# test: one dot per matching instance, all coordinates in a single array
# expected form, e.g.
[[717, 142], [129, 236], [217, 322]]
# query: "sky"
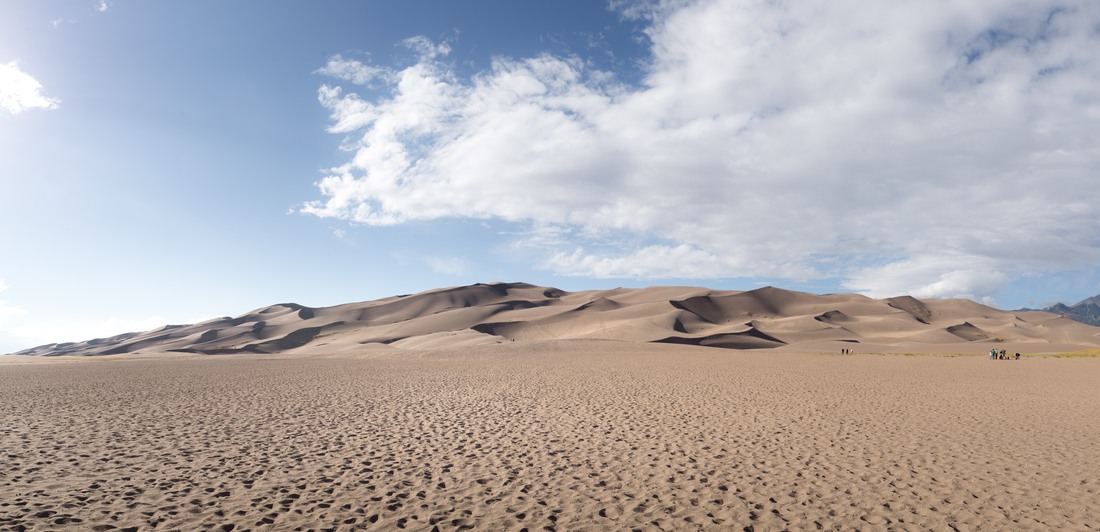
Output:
[[170, 162]]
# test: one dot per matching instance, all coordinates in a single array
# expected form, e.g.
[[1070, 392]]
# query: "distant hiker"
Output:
[[1017, 356], [992, 354]]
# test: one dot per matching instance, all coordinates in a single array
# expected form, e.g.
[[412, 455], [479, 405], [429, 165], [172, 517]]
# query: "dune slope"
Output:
[[517, 312]]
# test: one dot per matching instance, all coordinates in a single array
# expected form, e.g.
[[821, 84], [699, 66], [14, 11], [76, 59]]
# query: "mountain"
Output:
[[518, 312], [1087, 311]]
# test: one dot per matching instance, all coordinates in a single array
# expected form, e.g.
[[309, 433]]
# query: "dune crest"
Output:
[[767, 317]]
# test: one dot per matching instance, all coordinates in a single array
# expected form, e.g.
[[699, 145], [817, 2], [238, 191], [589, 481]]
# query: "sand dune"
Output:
[[517, 407], [516, 312]]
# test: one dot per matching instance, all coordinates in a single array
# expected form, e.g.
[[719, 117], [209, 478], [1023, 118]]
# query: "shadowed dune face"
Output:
[[913, 306], [968, 332], [518, 312]]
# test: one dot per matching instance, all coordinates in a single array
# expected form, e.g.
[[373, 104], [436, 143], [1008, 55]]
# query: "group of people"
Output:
[[994, 354]]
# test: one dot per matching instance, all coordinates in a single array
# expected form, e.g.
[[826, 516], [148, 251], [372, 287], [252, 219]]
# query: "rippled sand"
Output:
[[565, 435]]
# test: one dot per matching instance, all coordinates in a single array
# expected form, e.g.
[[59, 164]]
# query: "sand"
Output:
[[496, 313], [566, 435]]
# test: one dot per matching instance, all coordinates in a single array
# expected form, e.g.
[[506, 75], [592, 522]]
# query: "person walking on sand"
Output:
[[993, 354]]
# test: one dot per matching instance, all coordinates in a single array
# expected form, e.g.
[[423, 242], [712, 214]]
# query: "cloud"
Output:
[[943, 276], [102, 6], [453, 266], [657, 261], [351, 70], [19, 91], [933, 148], [427, 48], [8, 310]]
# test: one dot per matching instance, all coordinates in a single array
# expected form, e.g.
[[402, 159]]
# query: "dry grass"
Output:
[[1083, 353]]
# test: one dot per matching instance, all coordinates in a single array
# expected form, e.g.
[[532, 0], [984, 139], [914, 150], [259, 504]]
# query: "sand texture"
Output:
[[566, 435], [505, 312]]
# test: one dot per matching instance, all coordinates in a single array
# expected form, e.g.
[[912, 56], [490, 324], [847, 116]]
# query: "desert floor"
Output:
[[564, 435]]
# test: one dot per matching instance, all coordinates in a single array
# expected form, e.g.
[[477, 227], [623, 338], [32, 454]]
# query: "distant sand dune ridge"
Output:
[[506, 312]]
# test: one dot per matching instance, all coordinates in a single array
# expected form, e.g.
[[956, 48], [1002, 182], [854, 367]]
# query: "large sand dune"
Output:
[[497, 313], [516, 407]]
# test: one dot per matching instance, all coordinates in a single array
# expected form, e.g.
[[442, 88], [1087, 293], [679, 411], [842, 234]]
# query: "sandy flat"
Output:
[[569, 435]]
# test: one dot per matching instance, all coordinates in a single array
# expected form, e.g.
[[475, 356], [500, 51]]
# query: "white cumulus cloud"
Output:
[[943, 276], [936, 148], [19, 91]]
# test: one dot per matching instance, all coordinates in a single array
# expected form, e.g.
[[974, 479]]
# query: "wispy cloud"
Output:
[[8, 310], [934, 148], [351, 70], [102, 6], [19, 91], [427, 48], [449, 265]]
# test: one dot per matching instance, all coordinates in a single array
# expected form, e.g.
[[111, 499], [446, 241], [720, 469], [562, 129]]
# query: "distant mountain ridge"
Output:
[[499, 313], [1087, 311]]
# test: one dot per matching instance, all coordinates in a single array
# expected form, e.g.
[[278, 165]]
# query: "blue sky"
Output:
[[167, 162]]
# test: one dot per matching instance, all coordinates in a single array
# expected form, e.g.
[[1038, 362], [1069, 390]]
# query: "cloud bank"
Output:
[[934, 148], [19, 91]]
